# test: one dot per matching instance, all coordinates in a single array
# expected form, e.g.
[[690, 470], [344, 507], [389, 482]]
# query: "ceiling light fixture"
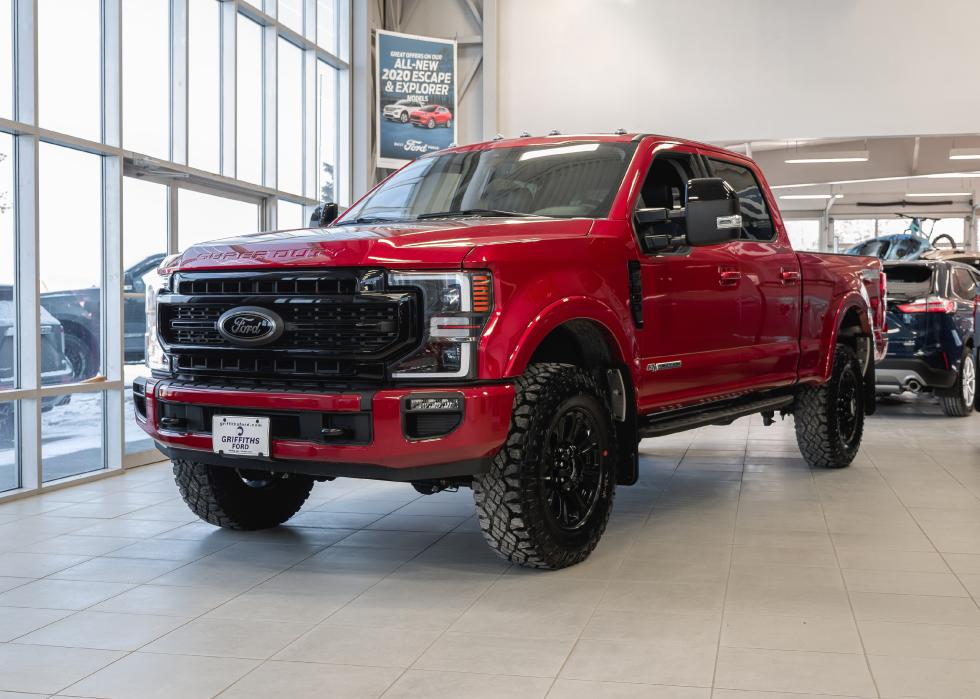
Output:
[[964, 153], [811, 196], [939, 194], [844, 156]]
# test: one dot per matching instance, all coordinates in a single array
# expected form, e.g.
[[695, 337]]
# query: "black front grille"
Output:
[[338, 324], [332, 326], [309, 284]]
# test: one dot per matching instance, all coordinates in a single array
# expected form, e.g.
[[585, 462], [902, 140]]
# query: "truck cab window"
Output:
[[665, 187], [756, 222]]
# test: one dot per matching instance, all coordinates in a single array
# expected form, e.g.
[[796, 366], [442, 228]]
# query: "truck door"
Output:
[[769, 305], [690, 342]]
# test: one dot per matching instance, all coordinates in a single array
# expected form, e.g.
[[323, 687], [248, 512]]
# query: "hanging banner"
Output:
[[416, 96]]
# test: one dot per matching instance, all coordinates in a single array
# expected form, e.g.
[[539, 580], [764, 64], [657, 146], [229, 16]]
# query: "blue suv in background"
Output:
[[932, 332]]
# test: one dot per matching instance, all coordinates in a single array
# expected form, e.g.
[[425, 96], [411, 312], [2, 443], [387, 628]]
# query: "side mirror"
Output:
[[712, 212], [324, 215], [128, 284]]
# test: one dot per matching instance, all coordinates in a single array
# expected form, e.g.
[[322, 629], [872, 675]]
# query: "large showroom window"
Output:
[[850, 232], [804, 234], [6, 59], [204, 85], [159, 124]]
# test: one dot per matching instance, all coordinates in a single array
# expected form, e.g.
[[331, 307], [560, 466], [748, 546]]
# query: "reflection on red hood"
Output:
[[419, 244]]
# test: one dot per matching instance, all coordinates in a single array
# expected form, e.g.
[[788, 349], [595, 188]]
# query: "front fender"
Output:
[[539, 325]]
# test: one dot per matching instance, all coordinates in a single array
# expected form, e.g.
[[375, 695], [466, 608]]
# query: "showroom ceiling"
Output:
[[875, 176]]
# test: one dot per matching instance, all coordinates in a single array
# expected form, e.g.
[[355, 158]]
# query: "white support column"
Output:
[[172, 239], [25, 61], [489, 68], [112, 72], [229, 102], [179, 61], [310, 115], [112, 168], [27, 287], [26, 243], [309, 103], [112, 304], [270, 133], [362, 100]]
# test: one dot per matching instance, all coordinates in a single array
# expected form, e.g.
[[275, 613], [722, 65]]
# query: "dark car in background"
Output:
[[932, 332], [55, 368], [79, 312]]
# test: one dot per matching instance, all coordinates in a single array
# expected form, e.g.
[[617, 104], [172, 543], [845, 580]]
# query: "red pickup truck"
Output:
[[511, 316]]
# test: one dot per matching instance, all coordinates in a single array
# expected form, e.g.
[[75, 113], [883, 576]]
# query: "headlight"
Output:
[[456, 307], [155, 357]]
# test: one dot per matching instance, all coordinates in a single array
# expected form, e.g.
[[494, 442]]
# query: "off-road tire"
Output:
[[510, 496], [220, 496], [819, 422], [955, 402], [81, 355]]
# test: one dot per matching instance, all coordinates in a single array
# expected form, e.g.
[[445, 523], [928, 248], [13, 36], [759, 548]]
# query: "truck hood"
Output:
[[417, 244]]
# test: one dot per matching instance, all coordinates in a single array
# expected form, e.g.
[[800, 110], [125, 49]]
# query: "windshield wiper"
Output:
[[471, 212], [367, 219]]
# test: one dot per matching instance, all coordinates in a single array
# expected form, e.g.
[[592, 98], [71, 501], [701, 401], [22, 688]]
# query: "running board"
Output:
[[717, 416]]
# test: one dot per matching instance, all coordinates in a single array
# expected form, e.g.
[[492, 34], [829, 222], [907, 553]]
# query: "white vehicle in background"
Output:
[[400, 110]]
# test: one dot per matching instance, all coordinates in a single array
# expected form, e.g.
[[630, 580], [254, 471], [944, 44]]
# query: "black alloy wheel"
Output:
[[573, 469], [848, 406]]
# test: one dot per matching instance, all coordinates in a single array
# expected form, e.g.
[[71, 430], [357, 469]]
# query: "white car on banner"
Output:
[[400, 110]]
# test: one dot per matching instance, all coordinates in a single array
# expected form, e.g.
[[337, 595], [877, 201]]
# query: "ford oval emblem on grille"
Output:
[[250, 326]]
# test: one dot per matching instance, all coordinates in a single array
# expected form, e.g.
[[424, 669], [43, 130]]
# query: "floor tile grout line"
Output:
[[919, 526], [192, 619], [731, 563], [843, 578]]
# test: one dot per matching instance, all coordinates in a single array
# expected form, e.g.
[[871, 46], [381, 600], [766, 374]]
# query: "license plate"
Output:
[[240, 436]]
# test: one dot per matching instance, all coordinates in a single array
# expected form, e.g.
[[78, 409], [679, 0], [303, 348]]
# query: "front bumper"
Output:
[[388, 453], [893, 375]]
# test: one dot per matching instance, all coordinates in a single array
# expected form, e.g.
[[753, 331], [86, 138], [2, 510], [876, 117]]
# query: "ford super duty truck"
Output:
[[511, 316]]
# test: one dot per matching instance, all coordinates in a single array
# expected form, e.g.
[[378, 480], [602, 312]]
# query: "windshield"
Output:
[[572, 180]]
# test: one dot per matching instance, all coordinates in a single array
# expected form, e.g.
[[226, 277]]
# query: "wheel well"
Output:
[[587, 344], [580, 342], [853, 334], [77, 329]]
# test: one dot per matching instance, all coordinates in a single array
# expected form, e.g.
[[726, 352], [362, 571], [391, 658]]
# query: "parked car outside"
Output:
[[55, 368], [932, 332], [431, 116], [400, 110], [79, 312]]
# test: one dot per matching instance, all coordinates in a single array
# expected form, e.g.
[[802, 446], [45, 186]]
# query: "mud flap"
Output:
[[870, 397]]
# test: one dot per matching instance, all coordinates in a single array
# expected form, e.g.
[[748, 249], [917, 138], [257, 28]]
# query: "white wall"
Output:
[[740, 69]]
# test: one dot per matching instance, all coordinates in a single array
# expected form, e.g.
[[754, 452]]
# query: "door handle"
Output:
[[729, 277], [789, 276]]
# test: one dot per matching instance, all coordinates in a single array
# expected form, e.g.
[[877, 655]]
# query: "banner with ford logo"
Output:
[[416, 96]]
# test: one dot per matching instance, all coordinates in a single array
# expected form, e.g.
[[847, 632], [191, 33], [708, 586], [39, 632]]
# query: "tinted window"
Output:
[[964, 285], [563, 180], [756, 223], [909, 281]]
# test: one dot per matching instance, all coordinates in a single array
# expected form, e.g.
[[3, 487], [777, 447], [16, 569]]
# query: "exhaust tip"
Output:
[[913, 385]]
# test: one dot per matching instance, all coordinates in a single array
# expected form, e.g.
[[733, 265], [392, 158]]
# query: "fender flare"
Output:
[[851, 301], [574, 308]]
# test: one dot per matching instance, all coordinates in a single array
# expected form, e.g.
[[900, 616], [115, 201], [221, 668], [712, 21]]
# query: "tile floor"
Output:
[[731, 571]]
